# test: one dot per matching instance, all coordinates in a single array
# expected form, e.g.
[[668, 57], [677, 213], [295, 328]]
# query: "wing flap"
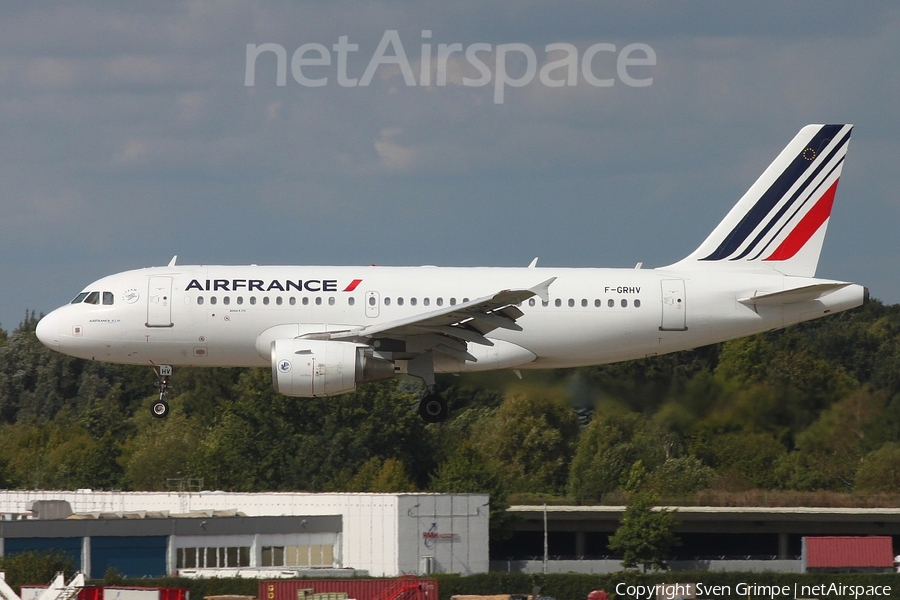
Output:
[[466, 322]]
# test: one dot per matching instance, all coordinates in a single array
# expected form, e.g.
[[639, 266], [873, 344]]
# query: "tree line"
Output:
[[811, 407]]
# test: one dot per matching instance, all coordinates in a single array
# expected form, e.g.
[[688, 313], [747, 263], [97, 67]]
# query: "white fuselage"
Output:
[[230, 315]]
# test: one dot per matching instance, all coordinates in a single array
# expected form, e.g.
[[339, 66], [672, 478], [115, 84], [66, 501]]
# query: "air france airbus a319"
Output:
[[323, 330]]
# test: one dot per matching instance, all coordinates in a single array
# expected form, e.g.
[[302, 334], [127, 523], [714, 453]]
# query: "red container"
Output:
[[404, 588], [90, 592]]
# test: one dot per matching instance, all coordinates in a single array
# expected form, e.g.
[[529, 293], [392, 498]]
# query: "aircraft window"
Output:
[[79, 298], [545, 303], [610, 303], [253, 300], [305, 301], [466, 300], [426, 301], [558, 302], [93, 298], [278, 300], [330, 300], [199, 299], [266, 300], [292, 301], [351, 300], [531, 302], [212, 299], [584, 302], [597, 303], [452, 301], [571, 302], [637, 303], [412, 301], [226, 300], [624, 302], [439, 301], [387, 301], [107, 298], [240, 299], [400, 301], [319, 301], [372, 300]]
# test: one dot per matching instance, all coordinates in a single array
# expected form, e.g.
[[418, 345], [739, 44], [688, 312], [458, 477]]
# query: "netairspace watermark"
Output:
[[311, 64], [671, 591]]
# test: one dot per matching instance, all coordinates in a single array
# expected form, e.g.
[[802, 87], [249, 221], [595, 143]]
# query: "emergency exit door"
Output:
[[159, 302], [673, 306], [373, 304]]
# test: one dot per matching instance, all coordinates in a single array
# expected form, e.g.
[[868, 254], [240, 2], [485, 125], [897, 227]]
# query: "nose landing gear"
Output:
[[160, 408]]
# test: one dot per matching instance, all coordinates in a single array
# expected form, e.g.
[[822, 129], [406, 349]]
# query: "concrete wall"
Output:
[[601, 567]]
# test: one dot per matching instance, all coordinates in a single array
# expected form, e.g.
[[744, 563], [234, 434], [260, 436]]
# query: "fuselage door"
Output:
[[674, 309], [373, 304], [159, 302]]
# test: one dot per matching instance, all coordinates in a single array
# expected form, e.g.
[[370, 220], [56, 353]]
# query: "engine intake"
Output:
[[310, 368]]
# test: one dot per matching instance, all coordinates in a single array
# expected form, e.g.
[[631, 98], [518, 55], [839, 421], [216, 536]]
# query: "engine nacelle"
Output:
[[310, 368]]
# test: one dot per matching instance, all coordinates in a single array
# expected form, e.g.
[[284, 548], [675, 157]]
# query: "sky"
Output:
[[133, 134]]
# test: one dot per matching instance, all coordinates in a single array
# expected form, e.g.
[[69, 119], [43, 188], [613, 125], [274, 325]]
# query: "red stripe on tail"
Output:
[[807, 226]]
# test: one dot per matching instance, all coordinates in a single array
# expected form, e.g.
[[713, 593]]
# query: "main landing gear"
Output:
[[160, 408], [433, 407]]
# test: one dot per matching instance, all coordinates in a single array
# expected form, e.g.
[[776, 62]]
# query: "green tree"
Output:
[[30, 567], [680, 476], [607, 448], [742, 459], [159, 451], [644, 537], [381, 476], [532, 438], [880, 470]]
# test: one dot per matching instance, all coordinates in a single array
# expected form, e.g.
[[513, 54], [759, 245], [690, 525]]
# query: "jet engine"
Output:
[[310, 368]]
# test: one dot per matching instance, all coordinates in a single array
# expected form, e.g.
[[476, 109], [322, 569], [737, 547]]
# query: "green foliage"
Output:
[[34, 567], [681, 476], [382, 476], [531, 439], [607, 449], [644, 537], [743, 459], [880, 470]]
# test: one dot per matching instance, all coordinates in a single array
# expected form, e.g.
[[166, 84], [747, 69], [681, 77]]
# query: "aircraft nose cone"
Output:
[[48, 331]]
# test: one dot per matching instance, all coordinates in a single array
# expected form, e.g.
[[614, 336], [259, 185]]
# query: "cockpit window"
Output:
[[93, 298], [79, 298], [107, 298]]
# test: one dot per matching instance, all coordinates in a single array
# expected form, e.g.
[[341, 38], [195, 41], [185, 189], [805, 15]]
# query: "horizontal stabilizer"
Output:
[[807, 293]]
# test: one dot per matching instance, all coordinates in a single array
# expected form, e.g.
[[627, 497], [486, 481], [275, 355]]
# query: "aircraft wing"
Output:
[[466, 322]]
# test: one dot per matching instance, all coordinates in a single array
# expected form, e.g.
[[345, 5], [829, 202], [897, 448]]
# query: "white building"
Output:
[[384, 534]]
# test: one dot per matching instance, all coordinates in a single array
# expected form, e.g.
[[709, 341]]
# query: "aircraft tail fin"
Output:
[[780, 223]]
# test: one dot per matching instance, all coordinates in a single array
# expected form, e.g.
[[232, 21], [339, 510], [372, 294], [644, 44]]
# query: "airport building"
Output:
[[277, 535], [252, 535]]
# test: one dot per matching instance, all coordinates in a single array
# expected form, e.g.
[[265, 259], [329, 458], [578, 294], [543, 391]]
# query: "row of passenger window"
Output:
[[373, 301], [93, 298], [584, 302]]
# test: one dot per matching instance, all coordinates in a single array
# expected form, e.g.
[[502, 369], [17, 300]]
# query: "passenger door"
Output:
[[159, 302]]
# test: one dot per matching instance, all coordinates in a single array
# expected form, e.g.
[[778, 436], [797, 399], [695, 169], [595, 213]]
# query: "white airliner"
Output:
[[323, 330]]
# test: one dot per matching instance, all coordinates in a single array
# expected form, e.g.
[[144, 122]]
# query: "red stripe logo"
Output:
[[353, 285], [807, 226]]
